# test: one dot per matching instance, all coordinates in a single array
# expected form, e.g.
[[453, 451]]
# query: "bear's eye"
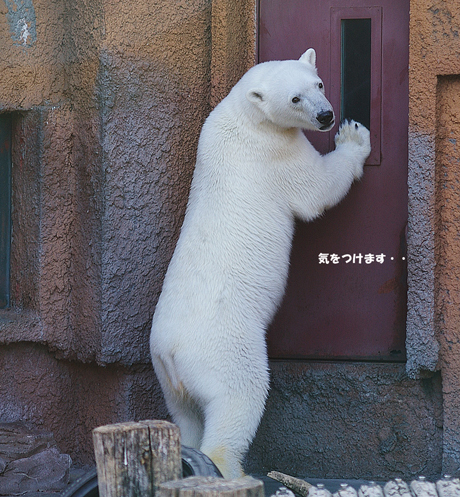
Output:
[[320, 85], [295, 100]]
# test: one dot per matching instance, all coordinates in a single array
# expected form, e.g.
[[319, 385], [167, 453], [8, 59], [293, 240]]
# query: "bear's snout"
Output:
[[325, 118]]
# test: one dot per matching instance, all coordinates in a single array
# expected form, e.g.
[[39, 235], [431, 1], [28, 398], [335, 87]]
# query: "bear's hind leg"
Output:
[[184, 410], [230, 426], [188, 417]]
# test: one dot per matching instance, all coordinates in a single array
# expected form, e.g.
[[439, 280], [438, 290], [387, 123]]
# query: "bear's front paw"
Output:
[[353, 132]]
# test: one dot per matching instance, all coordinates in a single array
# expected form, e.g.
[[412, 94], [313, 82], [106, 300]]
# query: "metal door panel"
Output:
[[348, 311]]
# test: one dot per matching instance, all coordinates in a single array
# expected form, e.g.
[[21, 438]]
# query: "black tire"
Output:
[[85, 486], [194, 463]]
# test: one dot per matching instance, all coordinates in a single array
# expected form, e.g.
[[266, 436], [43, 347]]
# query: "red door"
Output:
[[346, 293]]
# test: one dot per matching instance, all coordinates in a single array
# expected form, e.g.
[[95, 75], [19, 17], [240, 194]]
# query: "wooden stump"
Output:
[[132, 459], [211, 486]]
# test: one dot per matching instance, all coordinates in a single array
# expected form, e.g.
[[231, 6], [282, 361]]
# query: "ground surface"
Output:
[[271, 486]]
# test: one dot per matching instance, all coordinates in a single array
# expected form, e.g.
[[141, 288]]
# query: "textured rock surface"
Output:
[[30, 461], [434, 30], [349, 420], [70, 398], [434, 263], [108, 102], [448, 262], [46, 471], [17, 441]]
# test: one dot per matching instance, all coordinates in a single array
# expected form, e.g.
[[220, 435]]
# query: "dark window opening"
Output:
[[5, 209], [355, 101]]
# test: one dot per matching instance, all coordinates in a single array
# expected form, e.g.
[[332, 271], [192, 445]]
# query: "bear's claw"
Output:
[[351, 131]]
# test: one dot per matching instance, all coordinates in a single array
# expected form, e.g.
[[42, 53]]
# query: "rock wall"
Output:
[[349, 420], [433, 335], [107, 102]]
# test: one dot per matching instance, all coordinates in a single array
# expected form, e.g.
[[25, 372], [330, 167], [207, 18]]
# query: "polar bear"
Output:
[[255, 172]]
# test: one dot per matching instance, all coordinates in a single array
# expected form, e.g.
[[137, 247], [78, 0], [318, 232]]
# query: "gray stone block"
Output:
[[47, 471]]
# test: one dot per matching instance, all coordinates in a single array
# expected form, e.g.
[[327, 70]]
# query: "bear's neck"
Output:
[[236, 107]]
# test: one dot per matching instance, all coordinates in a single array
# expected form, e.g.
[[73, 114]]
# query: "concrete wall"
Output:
[[108, 100]]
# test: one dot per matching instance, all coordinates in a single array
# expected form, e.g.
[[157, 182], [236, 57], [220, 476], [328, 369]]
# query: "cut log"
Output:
[[423, 488], [346, 491], [297, 485], [210, 486], [370, 490], [396, 488], [283, 492], [448, 487], [319, 491], [132, 459]]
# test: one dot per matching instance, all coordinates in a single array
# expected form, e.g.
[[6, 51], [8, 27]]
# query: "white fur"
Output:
[[255, 171]]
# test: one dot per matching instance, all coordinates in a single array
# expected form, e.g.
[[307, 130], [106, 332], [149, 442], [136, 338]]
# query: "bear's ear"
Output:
[[255, 96], [309, 57]]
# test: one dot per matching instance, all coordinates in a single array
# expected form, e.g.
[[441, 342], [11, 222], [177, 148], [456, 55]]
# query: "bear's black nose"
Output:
[[325, 118]]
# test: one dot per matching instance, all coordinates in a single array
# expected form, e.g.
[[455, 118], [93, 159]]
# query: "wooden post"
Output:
[[212, 486], [132, 459]]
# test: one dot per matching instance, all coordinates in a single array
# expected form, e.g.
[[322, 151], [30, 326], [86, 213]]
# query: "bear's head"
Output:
[[290, 94]]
